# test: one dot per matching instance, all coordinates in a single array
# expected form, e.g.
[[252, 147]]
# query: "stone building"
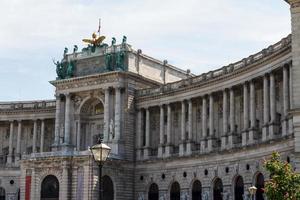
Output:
[[173, 135]]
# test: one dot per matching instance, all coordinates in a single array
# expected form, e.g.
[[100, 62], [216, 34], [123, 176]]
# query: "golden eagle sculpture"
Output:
[[95, 41]]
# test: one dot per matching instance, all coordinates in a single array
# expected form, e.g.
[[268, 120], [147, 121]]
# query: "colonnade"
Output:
[[60, 121], [228, 137], [36, 122]]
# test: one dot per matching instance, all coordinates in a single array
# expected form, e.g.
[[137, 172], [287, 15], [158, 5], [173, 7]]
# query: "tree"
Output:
[[284, 183]]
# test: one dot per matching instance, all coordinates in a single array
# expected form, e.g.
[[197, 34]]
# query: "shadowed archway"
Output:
[[217, 189], [50, 188], [239, 188], [153, 192], [108, 188], [259, 184], [2, 193], [175, 191], [197, 190]]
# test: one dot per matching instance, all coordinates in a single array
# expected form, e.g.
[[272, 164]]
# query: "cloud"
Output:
[[197, 34]]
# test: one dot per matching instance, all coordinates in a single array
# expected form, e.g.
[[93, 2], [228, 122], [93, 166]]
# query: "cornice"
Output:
[[111, 79]]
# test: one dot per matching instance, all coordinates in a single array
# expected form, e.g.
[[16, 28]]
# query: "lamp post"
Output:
[[100, 153], [252, 191]]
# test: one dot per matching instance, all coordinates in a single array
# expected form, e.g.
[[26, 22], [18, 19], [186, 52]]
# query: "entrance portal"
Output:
[[239, 188], [153, 192], [50, 188], [2, 193], [260, 184], [108, 188], [218, 189], [196, 191], [175, 191]]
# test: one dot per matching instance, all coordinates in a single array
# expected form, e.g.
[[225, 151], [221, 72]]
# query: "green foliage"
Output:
[[284, 182]]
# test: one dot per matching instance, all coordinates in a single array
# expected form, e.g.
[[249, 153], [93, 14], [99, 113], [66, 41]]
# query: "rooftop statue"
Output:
[[113, 41], [95, 41]]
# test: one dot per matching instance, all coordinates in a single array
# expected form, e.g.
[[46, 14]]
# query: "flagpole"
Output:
[[99, 26]]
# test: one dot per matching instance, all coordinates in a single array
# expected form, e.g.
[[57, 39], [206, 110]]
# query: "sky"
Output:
[[200, 35]]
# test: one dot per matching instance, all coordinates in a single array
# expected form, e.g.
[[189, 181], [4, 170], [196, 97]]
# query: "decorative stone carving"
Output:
[[184, 196], [141, 196], [112, 129], [205, 196]]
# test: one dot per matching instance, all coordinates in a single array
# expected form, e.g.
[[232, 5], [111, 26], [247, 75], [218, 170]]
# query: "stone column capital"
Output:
[[57, 96], [67, 95]]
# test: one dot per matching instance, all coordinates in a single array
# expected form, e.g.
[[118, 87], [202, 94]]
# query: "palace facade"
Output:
[[174, 135]]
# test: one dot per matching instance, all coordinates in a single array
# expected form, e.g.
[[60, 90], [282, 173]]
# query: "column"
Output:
[[291, 125], [266, 109], [169, 145], [42, 135], [204, 124], [18, 150], [78, 139], [232, 136], [295, 74], [225, 120], [106, 114], [252, 113], [272, 126], [285, 101], [182, 143], [57, 120], [210, 142], [67, 119], [246, 114], [189, 145], [139, 135], [34, 136], [147, 146], [118, 114], [64, 184], [161, 131], [10, 143]]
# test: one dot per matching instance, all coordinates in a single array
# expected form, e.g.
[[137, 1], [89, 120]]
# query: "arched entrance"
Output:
[[2, 193], [91, 123], [260, 184], [50, 188], [218, 189], [175, 191], [239, 188], [108, 188], [153, 192], [197, 190]]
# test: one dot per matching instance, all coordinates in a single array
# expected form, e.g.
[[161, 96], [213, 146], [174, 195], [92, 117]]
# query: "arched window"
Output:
[[99, 109], [218, 189], [239, 188], [197, 190], [260, 184], [108, 188], [153, 192], [2, 193], [50, 188], [175, 191]]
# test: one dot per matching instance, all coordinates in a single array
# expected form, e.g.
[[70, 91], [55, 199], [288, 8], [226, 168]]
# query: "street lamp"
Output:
[[252, 191], [100, 153]]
